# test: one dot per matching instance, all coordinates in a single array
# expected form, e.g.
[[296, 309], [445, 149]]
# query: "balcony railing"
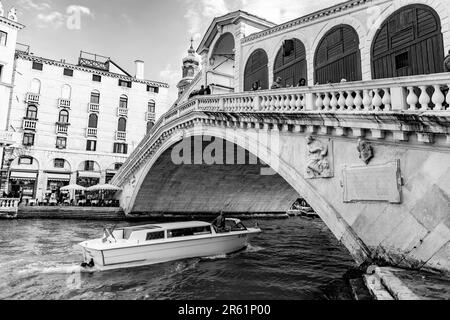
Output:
[[122, 112], [121, 136], [91, 133], [64, 103], [62, 128], [29, 124], [150, 116], [94, 108], [32, 98]]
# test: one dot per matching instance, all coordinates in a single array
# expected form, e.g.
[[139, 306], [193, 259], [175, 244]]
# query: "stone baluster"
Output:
[[424, 98], [350, 101], [358, 101], [333, 102], [412, 99], [273, 102], [387, 100], [298, 103], [447, 99], [319, 102], [287, 102], [327, 102], [257, 103], [303, 100], [280, 103], [438, 98], [292, 104], [367, 100], [377, 102], [342, 102]]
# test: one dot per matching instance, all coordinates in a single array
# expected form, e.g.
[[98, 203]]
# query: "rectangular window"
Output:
[[59, 163], [402, 60], [95, 97], [3, 38], [61, 143], [123, 83], [96, 78], [68, 72], [117, 166], [155, 236], [89, 166], [38, 66], [151, 107], [188, 232], [123, 103], [28, 139], [25, 161], [121, 148], [153, 89], [91, 145]]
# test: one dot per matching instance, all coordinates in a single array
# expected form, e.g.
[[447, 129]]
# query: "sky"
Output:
[[155, 31]]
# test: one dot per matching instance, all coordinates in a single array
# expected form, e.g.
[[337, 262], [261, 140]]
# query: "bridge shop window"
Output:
[[290, 63], [3, 38], [37, 66], [256, 70], [338, 56], [409, 42], [28, 139], [155, 236], [120, 148]]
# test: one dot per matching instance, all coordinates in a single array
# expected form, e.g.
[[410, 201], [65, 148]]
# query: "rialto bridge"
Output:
[[370, 154]]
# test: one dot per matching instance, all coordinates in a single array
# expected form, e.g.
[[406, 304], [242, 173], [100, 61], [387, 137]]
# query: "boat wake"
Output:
[[41, 268], [253, 249], [217, 257]]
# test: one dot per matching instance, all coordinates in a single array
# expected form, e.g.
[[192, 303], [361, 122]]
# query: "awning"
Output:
[[58, 177], [89, 174], [15, 175]]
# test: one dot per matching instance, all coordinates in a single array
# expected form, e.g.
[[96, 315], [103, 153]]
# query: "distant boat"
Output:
[[158, 243]]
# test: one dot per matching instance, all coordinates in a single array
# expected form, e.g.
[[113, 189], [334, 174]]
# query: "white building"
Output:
[[76, 123]]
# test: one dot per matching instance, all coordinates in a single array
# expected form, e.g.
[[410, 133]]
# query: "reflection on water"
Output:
[[291, 259]]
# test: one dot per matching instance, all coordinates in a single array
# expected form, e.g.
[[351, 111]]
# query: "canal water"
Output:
[[292, 259]]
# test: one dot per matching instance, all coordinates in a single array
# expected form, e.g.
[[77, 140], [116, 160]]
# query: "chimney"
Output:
[[139, 69]]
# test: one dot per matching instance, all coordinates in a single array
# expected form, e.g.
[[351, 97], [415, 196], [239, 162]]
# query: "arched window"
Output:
[[95, 97], [66, 92], [32, 112], [338, 56], [122, 127], [123, 102], [256, 71], [93, 121], [35, 86], [63, 116], [151, 106], [290, 63], [409, 42], [150, 125]]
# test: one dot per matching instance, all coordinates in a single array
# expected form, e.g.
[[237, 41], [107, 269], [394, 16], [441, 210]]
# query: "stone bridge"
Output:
[[371, 157]]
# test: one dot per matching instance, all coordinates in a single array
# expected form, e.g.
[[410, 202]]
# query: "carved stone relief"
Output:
[[319, 162]]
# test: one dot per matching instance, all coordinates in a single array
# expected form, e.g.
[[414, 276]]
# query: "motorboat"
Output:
[[157, 243]]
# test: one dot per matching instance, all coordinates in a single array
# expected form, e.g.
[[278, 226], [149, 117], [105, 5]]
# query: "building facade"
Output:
[[77, 123]]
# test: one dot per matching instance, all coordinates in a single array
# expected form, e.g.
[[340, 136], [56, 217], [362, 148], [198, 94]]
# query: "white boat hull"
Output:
[[148, 254]]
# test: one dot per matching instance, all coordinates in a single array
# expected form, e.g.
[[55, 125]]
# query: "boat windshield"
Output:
[[233, 225]]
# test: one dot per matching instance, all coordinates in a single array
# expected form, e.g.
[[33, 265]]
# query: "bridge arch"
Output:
[[257, 70], [291, 62], [293, 182]]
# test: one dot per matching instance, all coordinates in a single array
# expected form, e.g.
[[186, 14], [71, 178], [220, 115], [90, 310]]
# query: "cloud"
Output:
[[172, 76], [54, 19], [75, 9], [31, 5]]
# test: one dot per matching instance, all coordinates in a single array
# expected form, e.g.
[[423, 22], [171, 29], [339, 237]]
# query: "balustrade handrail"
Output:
[[194, 104]]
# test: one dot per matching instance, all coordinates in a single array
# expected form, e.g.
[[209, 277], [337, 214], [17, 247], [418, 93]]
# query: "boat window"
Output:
[[187, 232], [231, 225], [155, 236]]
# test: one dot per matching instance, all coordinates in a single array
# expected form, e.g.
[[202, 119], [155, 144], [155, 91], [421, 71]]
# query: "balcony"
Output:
[[29, 124], [32, 98], [62, 128], [91, 133], [94, 108], [64, 103], [150, 116], [122, 112], [121, 136]]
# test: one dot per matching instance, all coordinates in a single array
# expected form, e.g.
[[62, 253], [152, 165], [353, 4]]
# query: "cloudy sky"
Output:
[[155, 31]]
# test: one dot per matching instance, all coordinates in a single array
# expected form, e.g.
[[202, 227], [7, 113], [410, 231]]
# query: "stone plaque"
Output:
[[375, 183]]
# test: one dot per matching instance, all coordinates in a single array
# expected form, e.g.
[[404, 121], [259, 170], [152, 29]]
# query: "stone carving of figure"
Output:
[[365, 151], [447, 63], [317, 164], [12, 14], [2, 11]]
